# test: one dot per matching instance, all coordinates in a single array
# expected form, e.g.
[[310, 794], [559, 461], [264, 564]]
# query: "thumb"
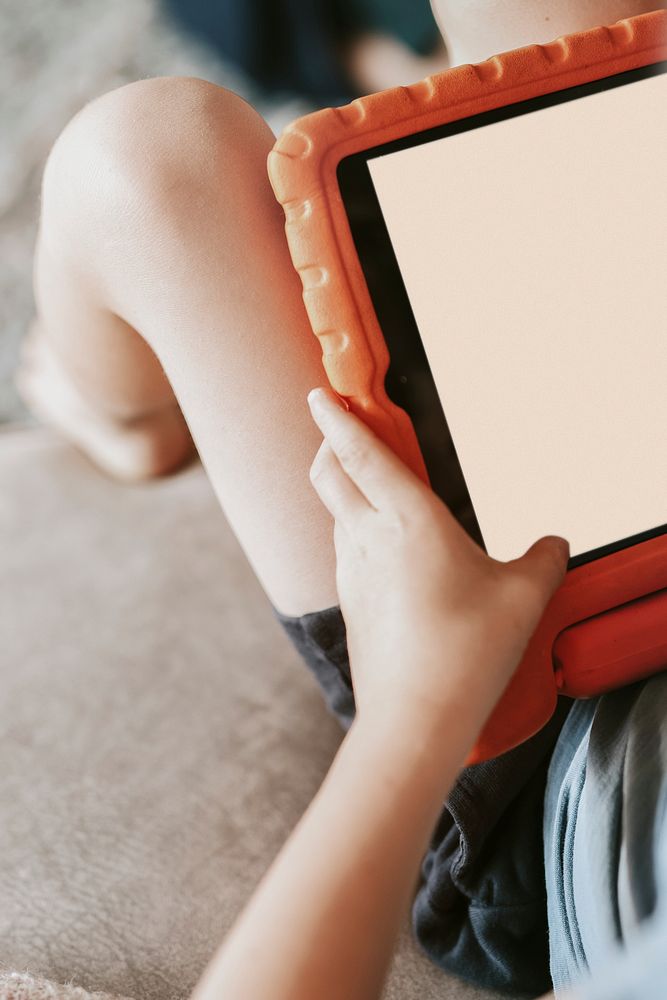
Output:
[[543, 566]]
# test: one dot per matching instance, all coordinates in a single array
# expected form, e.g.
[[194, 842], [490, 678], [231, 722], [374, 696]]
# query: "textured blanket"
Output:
[[23, 986]]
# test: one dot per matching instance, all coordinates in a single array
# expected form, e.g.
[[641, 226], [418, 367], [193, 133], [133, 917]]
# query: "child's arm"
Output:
[[322, 925], [435, 629]]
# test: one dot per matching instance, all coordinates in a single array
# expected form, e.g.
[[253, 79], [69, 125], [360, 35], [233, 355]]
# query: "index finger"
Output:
[[373, 467]]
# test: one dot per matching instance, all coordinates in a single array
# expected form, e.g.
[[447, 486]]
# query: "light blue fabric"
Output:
[[605, 837]]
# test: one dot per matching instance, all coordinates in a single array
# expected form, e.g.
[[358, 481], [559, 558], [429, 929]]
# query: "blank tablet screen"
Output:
[[533, 251]]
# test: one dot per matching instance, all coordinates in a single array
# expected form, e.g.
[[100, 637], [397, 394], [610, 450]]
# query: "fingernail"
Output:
[[561, 543], [320, 397], [317, 398]]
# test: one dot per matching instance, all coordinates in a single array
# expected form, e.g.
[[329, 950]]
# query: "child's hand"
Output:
[[431, 619]]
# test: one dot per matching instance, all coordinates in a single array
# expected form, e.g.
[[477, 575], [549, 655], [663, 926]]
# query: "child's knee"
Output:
[[149, 154]]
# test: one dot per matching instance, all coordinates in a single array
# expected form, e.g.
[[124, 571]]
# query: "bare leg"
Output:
[[162, 250]]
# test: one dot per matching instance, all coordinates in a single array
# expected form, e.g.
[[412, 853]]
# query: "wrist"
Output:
[[436, 719], [413, 741]]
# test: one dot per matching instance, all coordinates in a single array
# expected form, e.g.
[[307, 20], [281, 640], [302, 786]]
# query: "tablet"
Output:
[[517, 264], [483, 259]]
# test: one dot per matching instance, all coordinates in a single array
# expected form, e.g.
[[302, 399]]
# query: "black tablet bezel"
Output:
[[409, 382]]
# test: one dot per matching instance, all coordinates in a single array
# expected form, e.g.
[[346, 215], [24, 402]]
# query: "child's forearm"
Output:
[[324, 921]]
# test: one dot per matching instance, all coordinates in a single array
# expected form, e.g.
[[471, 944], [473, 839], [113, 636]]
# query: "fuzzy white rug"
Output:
[[23, 986]]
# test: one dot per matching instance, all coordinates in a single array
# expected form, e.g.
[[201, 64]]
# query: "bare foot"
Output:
[[133, 450], [379, 62]]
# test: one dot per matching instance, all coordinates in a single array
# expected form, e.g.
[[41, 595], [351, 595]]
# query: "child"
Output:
[[164, 286]]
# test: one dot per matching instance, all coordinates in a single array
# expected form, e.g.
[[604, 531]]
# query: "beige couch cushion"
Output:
[[158, 737]]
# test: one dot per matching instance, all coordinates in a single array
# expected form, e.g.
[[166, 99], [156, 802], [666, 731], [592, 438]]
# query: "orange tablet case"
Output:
[[607, 624]]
